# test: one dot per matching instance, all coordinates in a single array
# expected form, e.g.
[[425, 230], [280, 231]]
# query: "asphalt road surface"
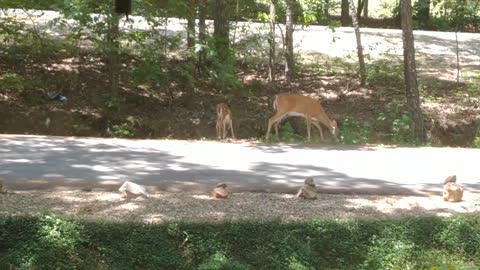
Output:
[[35, 162]]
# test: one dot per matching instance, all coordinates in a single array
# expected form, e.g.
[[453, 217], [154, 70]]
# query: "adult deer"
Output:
[[224, 119], [299, 105]]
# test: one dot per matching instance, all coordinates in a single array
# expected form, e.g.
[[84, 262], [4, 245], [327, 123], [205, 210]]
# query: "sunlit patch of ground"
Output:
[[165, 207]]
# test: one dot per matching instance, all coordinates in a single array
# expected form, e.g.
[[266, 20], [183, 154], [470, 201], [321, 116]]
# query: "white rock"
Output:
[[221, 191], [133, 190], [308, 190]]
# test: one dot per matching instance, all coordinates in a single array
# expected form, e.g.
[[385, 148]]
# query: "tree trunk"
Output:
[[365, 9], [221, 31], [202, 32], [113, 56], [290, 59], [326, 9], [271, 41], [191, 24], [361, 60], [237, 7], [457, 51], [411, 87], [360, 5], [344, 15]]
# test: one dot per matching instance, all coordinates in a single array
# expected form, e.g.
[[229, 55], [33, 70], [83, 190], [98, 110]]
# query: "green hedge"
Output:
[[53, 242]]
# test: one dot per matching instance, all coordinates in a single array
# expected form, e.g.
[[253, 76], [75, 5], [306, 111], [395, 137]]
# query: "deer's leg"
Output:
[[273, 120], [224, 129], [309, 125], [319, 128], [231, 128], [219, 128], [276, 126]]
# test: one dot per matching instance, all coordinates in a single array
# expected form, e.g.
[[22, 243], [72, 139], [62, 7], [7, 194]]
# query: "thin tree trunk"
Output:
[[411, 87], [326, 8], [271, 41], [361, 60], [365, 9], [191, 24], [236, 24], [360, 8], [344, 14], [290, 60], [113, 53], [165, 36], [221, 31], [458, 57], [202, 32]]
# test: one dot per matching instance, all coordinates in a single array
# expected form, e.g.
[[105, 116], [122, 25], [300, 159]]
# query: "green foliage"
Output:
[[316, 12], [48, 243], [400, 122], [12, 82], [124, 130], [81, 129], [31, 4], [384, 71], [473, 84], [354, 131], [113, 103], [224, 76], [53, 242], [287, 134], [219, 261], [402, 133], [476, 140]]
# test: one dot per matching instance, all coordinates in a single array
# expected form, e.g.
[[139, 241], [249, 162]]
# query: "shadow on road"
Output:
[[54, 162]]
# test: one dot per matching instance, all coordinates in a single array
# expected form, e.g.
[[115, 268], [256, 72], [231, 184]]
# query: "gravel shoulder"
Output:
[[188, 207]]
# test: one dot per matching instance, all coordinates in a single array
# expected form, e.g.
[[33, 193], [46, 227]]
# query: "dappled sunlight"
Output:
[[431, 204], [155, 218], [284, 196], [129, 206], [107, 197], [112, 177], [203, 197], [181, 206]]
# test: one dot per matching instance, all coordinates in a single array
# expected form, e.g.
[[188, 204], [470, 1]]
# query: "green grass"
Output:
[[53, 242]]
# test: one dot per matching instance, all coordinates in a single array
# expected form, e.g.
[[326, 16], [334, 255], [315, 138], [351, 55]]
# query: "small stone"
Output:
[[308, 190], [452, 192], [220, 191], [133, 190], [450, 179]]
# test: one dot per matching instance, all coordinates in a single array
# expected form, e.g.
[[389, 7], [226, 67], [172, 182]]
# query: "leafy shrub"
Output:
[[476, 141], [54, 242], [12, 82], [384, 71], [402, 133], [400, 123], [354, 132], [81, 129], [286, 133], [113, 103], [219, 261], [123, 130]]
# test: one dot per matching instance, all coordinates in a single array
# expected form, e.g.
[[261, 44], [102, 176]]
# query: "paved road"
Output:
[[45, 162]]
